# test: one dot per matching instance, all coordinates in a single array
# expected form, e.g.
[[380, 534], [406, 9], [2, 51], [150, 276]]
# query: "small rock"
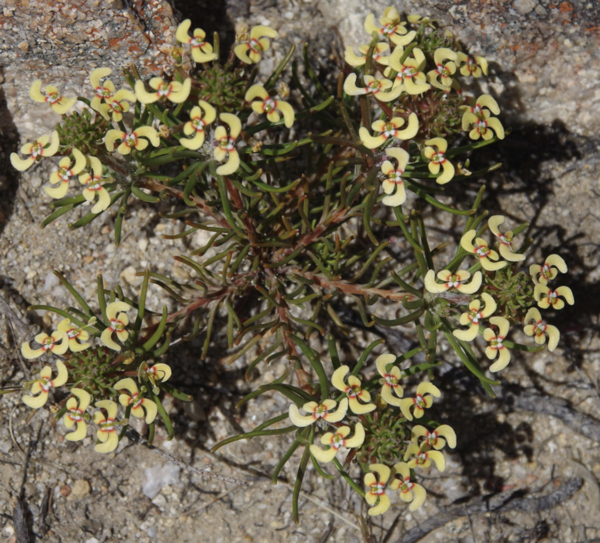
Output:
[[35, 181], [128, 275], [50, 281], [81, 488], [157, 477], [523, 7], [24, 46], [65, 490]]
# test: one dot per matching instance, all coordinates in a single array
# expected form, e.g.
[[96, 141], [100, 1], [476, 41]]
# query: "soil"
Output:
[[525, 468]]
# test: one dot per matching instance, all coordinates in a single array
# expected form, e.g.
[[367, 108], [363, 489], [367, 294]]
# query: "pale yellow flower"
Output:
[[353, 390], [410, 76], [250, 50], [390, 129], [409, 491], [539, 329], [317, 412], [422, 457], [474, 316], [391, 28], [107, 426], [381, 89], [496, 345], [225, 148], [74, 416], [62, 176], [134, 140], [376, 496], [117, 322], [135, 401], [445, 67], [506, 248], [437, 159], [391, 390], [336, 441], [486, 256], [450, 280], [42, 385], [200, 117], [42, 147], [270, 106], [173, 91], [422, 400], [393, 181], [93, 186], [202, 51], [51, 96]]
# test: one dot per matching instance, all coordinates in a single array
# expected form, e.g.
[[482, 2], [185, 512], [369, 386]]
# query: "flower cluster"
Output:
[[346, 418], [72, 342], [402, 67]]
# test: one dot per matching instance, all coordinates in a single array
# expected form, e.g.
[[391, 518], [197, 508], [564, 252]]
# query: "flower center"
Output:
[[396, 176], [540, 328], [103, 92], [255, 46], [377, 489], [116, 325], [388, 29], [420, 402], [116, 107], [475, 316], [320, 411], [337, 441], [391, 380], [496, 343], [227, 144], [75, 415], [269, 105], [131, 140], [482, 251], [408, 71], [406, 485], [53, 98], [454, 281], [45, 384], [164, 89], [108, 425], [198, 124], [442, 70], [48, 343], [353, 391], [438, 158], [36, 149], [197, 42]]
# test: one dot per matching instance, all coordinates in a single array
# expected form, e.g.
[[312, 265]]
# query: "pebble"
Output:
[[523, 7], [81, 488], [158, 477]]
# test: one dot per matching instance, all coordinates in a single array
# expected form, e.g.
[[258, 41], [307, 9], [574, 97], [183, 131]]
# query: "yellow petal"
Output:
[[297, 419], [337, 379], [111, 137], [78, 434], [151, 410], [322, 455], [35, 402], [128, 384], [111, 443], [97, 75], [35, 91], [182, 31], [232, 163], [143, 95]]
